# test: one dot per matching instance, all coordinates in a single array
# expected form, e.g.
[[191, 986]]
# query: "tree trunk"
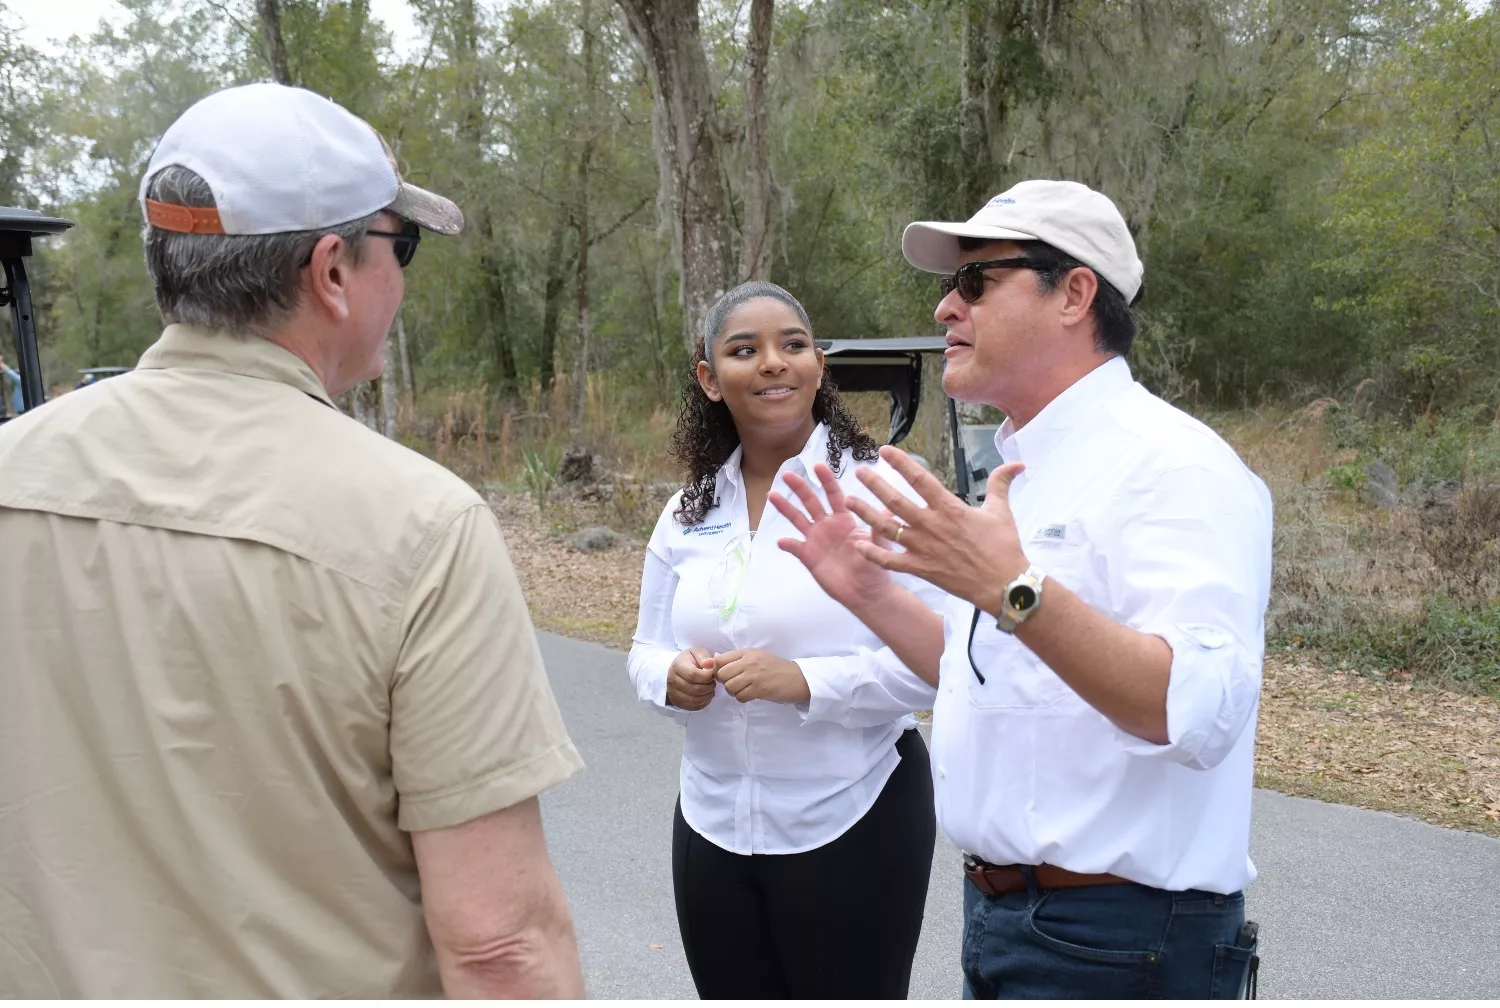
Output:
[[388, 391], [756, 263], [470, 86], [494, 307], [973, 139], [687, 151], [552, 298], [581, 223], [408, 383], [270, 26]]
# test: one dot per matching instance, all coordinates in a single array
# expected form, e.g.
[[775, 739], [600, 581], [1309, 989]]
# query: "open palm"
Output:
[[827, 547]]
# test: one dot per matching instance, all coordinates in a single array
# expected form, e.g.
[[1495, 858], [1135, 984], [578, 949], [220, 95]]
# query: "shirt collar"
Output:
[[194, 347], [1032, 443], [815, 451]]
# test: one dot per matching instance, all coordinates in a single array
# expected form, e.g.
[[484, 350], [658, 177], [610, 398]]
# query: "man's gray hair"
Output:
[[713, 322], [245, 284]]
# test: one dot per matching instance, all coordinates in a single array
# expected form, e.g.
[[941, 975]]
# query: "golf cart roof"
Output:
[[883, 346], [889, 364]]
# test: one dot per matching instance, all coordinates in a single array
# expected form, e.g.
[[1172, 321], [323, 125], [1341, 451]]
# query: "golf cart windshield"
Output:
[[894, 366]]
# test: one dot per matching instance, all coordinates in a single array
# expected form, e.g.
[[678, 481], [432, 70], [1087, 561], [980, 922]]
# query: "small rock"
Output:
[[1380, 485], [1440, 498], [594, 539]]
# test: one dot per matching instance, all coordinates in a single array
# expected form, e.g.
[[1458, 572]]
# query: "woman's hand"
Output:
[[753, 674], [690, 680], [828, 546]]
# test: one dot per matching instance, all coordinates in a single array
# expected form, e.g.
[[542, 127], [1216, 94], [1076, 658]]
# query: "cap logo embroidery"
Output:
[[1001, 201]]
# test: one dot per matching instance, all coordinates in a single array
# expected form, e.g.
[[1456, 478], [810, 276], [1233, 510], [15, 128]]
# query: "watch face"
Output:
[[1022, 597]]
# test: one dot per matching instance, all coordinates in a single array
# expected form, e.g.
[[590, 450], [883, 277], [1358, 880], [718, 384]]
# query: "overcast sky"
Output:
[[43, 21], [46, 20]]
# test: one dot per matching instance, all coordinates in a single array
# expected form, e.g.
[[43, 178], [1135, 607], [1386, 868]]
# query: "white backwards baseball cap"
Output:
[[285, 159], [1070, 217]]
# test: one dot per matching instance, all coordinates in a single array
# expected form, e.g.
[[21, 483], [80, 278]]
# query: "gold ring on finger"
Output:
[[897, 537]]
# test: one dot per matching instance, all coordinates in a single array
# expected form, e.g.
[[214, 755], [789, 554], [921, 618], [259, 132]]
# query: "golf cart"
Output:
[[894, 365], [17, 228], [89, 375]]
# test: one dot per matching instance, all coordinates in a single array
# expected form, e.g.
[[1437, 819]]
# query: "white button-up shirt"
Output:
[[764, 777], [1150, 517]]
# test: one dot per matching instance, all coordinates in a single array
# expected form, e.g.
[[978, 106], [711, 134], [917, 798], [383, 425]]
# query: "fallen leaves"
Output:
[[1347, 738], [592, 596], [1324, 734]]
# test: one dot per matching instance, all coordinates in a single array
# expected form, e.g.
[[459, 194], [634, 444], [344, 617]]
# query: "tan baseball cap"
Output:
[[1069, 216], [284, 159]]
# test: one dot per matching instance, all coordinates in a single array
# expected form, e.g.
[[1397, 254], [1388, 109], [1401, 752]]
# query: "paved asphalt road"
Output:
[[1351, 903]]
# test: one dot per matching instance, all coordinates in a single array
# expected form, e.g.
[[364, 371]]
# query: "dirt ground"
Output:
[[1323, 733]]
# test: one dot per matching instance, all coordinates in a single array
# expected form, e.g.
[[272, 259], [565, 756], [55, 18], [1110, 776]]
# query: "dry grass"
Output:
[[1347, 715], [1342, 737], [1333, 735], [1412, 587], [592, 596]]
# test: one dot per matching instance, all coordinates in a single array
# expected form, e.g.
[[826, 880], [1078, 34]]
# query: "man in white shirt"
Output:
[[1099, 671]]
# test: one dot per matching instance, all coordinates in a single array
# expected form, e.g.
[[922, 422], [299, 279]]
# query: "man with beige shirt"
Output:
[[275, 719]]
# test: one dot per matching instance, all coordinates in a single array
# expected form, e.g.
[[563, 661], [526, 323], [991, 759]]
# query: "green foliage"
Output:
[[21, 114], [1310, 184], [539, 472], [1447, 643], [1418, 216], [1462, 446]]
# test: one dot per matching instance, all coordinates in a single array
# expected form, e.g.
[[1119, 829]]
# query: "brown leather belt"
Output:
[[999, 880]]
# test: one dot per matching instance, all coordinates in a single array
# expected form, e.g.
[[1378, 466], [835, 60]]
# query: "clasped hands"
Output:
[[747, 674], [972, 553]]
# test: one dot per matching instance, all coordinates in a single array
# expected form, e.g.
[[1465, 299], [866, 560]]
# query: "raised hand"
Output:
[[828, 547], [972, 553], [690, 685]]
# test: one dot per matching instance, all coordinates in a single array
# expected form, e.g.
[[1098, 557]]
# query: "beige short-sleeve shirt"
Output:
[[246, 645]]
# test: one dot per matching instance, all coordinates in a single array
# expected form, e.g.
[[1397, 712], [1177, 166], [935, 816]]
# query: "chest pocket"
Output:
[[1014, 676]]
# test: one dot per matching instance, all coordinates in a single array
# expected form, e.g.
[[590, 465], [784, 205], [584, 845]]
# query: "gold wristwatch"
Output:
[[1023, 596]]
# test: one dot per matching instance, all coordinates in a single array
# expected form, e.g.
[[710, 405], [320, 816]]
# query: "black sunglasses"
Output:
[[969, 278], [404, 242], [974, 625]]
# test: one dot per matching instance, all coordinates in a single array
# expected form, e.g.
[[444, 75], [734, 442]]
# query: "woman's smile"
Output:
[[777, 392]]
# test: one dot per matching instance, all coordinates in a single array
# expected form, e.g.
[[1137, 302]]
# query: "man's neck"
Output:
[[298, 340], [1046, 387]]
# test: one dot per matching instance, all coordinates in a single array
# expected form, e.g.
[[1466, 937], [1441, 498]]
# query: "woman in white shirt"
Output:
[[804, 831]]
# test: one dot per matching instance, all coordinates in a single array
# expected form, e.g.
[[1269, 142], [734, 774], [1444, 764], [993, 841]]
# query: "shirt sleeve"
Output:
[[474, 725], [653, 645], [872, 686], [1196, 571]]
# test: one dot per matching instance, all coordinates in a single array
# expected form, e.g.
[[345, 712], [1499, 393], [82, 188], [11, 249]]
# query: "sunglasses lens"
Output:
[[970, 284], [948, 284]]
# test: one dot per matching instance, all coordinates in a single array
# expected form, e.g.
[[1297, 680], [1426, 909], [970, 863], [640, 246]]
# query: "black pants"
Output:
[[841, 921]]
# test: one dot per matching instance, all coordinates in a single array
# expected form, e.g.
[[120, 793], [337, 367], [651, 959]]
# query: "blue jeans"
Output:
[[1114, 941]]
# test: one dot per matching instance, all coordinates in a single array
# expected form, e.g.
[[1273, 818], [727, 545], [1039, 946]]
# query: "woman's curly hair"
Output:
[[706, 436]]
